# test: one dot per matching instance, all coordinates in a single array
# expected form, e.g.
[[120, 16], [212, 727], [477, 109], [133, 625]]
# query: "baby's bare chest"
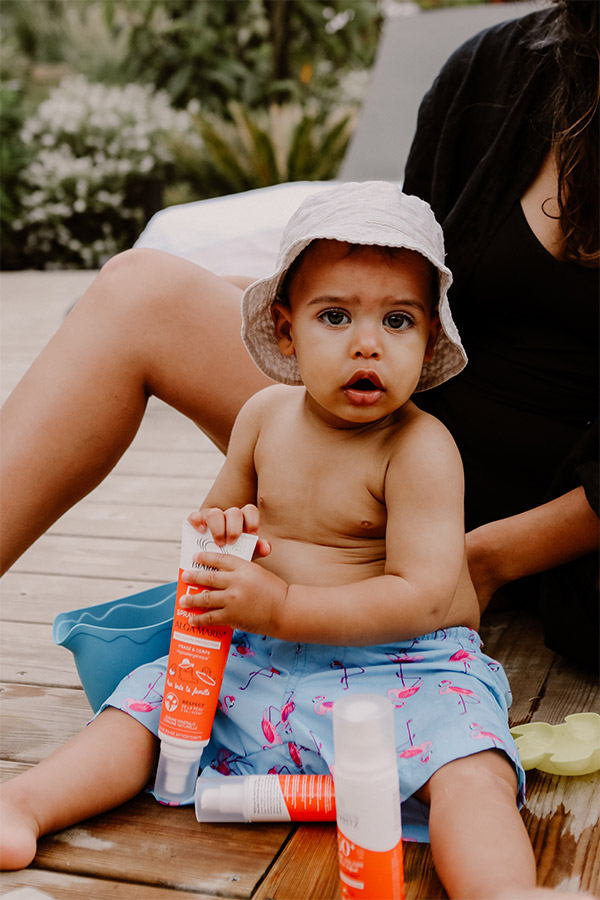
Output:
[[325, 488]]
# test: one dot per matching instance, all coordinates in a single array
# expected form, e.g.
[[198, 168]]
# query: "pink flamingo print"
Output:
[[399, 695], [142, 704], [295, 754], [464, 694], [423, 750], [402, 658], [242, 647], [318, 744], [322, 705], [288, 707], [336, 664], [269, 729], [222, 762], [139, 705], [225, 704], [462, 656], [479, 734], [279, 770], [265, 671]]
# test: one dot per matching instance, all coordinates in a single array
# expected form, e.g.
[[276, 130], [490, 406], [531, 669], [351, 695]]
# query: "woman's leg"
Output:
[[104, 765], [150, 324], [479, 842]]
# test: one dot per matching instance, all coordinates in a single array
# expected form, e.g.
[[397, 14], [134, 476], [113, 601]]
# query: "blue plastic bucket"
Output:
[[111, 639]]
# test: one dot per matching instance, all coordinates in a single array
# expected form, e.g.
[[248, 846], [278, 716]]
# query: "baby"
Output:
[[360, 582]]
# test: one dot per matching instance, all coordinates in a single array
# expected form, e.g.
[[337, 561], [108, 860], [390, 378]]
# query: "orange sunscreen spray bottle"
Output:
[[265, 798], [367, 799], [197, 658]]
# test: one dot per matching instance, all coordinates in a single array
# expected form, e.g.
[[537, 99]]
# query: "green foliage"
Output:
[[97, 154], [253, 51], [259, 148], [13, 160], [273, 86]]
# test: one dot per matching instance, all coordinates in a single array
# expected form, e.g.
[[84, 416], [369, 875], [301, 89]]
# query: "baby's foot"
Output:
[[18, 832]]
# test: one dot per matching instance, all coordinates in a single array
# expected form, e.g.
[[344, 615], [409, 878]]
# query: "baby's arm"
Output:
[[425, 564], [229, 507]]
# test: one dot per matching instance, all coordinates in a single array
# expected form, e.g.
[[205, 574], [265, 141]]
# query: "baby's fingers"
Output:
[[251, 518], [216, 521]]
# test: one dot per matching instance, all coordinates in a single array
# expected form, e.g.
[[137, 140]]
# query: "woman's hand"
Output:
[[534, 541], [242, 594], [226, 525], [484, 558]]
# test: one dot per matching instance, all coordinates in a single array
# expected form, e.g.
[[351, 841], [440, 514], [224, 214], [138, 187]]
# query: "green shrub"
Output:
[[13, 160], [97, 155], [263, 147]]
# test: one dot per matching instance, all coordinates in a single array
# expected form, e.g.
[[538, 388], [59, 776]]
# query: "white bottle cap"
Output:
[[220, 799], [363, 736], [178, 770]]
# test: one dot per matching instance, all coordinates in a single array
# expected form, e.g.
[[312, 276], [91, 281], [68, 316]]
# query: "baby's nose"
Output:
[[366, 344]]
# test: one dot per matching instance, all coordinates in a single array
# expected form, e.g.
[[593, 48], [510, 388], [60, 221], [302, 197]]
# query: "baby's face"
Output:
[[361, 325]]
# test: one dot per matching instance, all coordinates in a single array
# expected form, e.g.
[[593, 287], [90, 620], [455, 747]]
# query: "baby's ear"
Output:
[[435, 326], [282, 318]]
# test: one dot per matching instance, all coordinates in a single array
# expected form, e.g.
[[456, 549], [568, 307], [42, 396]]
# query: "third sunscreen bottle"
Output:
[[367, 799]]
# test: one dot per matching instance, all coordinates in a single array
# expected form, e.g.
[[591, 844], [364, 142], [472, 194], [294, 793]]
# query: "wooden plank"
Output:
[[9, 769], [66, 886], [165, 429], [170, 462], [39, 597], [145, 842], [156, 490], [562, 820], [150, 561], [420, 878], [515, 647], [307, 867], [29, 656], [127, 521], [567, 689], [36, 720]]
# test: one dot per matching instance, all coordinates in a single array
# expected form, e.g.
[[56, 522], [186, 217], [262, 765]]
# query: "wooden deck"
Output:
[[125, 537]]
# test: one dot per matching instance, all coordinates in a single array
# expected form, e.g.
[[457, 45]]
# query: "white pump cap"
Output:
[[363, 736], [221, 799], [178, 770]]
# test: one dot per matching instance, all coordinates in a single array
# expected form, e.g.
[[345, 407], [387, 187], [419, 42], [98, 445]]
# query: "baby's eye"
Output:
[[398, 321], [334, 317]]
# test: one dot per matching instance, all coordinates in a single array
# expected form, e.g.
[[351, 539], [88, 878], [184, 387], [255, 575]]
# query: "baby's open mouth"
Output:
[[364, 388], [365, 381], [363, 384]]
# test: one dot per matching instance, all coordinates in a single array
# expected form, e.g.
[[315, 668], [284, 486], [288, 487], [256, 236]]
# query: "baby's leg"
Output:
[[106, 764], [479, 842]]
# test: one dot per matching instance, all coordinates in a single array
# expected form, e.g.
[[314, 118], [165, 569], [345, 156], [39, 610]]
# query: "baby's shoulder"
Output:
[[268, 402], [422, 435], [273, 396]]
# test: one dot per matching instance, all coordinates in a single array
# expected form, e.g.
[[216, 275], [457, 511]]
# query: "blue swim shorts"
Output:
[[450, 701]]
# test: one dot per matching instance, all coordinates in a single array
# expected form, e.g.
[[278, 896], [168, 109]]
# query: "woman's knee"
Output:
[[140, 282]]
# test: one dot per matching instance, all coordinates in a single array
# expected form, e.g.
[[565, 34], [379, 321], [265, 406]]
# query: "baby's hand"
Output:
[[241, 594], [226, 525]]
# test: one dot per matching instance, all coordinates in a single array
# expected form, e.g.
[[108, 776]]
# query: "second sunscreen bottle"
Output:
[[197, 658], [367, 799]]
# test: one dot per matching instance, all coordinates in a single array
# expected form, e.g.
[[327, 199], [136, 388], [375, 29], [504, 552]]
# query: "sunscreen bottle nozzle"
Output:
[[178, 770], [221, 799]]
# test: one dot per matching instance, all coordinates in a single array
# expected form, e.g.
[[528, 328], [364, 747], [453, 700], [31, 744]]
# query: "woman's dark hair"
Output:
[[571, 37]]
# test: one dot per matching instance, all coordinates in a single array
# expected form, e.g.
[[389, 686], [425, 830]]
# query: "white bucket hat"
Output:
[[373, 213]]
